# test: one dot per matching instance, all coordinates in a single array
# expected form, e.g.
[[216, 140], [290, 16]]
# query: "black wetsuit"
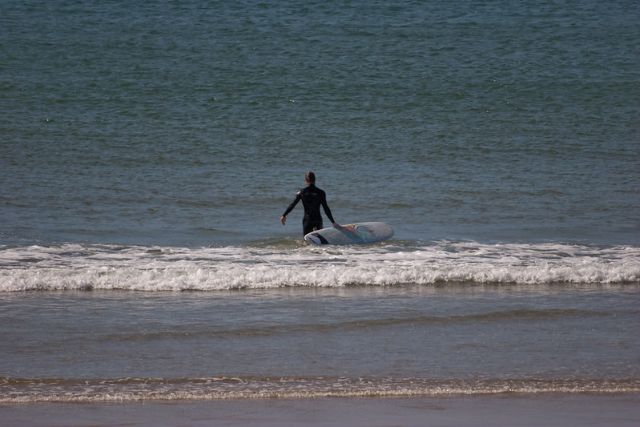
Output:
[[312, 198]]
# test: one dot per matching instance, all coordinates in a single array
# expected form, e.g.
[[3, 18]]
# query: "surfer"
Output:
[[312, 198]]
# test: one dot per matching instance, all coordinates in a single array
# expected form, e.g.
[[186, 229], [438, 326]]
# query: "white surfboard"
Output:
[[351, 234]]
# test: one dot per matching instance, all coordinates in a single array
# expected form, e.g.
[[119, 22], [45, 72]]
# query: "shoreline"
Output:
[[504, 410]]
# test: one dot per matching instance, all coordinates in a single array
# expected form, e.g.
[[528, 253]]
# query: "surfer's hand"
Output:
[[283, 219]]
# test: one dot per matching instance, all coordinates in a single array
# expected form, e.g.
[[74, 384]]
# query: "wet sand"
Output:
[[505, 410]]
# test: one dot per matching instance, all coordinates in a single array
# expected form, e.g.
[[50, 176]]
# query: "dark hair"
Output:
[[310, 177]]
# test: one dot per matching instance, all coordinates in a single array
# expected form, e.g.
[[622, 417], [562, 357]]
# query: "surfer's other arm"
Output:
[[327, 211]]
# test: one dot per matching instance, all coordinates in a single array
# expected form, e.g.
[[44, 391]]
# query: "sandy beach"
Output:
[[504, 410]]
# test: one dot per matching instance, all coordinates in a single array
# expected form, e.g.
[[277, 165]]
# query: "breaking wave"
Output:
[[141, 268]]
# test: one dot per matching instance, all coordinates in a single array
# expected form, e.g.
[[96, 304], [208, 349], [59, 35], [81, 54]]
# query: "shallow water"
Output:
[[399, 341]]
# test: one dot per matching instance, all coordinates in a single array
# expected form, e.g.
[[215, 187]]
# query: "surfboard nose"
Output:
[[312, 239]]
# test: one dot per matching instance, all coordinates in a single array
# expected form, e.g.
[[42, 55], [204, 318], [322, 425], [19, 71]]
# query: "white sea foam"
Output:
[[84, 267], [141, 389]]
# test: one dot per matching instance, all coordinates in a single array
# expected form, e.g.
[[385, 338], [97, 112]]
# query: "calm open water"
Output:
[[148, 149]]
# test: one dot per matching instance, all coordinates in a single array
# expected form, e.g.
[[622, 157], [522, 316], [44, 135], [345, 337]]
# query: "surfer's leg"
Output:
[[306, 228], [309, 225]]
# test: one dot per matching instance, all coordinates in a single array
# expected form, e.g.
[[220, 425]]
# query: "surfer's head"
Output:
[[310, 177]]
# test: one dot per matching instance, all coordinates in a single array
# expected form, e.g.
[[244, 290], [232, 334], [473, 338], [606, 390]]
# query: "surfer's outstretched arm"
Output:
[[283, 218]]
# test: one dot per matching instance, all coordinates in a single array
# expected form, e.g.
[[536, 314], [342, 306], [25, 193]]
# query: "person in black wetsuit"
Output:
[[312, 198]]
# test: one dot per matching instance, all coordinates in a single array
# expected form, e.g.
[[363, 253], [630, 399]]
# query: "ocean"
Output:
[[147, 151]]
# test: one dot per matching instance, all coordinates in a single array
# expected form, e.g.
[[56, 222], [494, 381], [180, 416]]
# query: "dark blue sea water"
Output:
[[148, 148], [193, 123]]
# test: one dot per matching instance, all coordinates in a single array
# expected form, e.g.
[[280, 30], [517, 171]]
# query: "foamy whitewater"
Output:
[[139, 268], [140, 389]]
